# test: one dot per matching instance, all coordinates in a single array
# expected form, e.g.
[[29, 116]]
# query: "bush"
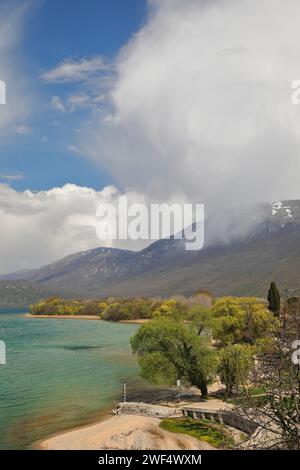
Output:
[[202, 429]]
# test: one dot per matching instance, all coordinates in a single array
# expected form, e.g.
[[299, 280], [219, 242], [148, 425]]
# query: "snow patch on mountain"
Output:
[[278, 207]]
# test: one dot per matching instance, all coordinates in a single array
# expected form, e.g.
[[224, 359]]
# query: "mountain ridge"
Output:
[[260, 245]]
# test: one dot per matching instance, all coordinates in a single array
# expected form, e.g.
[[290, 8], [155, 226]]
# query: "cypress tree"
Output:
[[274, 299]]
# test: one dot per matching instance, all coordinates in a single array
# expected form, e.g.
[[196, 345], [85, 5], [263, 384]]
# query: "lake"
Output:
[[60, 374]]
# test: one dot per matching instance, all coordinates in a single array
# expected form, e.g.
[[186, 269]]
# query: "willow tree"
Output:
[[236, 361], [169, 349]]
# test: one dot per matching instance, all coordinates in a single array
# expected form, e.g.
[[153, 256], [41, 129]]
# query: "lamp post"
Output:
[[178, 383], [124, 391]]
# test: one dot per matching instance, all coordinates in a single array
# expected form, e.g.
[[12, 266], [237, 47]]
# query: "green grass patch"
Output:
[[256, 390], [257, 395], [201, 429]]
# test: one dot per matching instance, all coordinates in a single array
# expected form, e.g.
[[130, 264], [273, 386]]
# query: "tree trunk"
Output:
[[203, 390]]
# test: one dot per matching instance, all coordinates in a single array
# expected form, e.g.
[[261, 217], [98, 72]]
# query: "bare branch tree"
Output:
[[277, 410]]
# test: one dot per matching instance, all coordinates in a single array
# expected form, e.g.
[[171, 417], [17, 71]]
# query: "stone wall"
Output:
[[144, 409], [224, 417]]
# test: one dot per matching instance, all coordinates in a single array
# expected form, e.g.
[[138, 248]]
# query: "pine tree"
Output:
[[274, 299]]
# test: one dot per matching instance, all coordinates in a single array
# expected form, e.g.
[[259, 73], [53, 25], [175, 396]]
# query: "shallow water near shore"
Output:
[[60, 374]]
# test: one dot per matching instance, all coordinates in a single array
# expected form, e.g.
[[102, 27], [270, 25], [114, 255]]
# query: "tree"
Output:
[[116, 311], [291, 315], [242, 320], [274, 299], [170, 307], [235, 364], [201, 297], [169, 349]]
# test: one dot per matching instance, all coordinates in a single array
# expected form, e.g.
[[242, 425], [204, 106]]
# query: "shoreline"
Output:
[[138, 321], [104, 415], [122, 432], [63, 317], [135, 428]]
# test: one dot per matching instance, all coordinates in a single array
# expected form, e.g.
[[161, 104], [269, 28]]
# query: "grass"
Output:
[[204, 430]]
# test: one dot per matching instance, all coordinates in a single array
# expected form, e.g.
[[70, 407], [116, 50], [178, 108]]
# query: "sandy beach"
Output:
[[123, 432], [138, 321], [64, 317]]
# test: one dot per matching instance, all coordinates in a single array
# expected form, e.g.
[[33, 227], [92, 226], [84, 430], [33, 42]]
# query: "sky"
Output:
[[162, 100], [39, 146]]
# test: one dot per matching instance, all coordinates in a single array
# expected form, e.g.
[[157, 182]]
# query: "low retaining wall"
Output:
[[224, 417], [145, 409]]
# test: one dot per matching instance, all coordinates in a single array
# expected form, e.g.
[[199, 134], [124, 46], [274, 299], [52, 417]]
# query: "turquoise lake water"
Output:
[[60, 374]]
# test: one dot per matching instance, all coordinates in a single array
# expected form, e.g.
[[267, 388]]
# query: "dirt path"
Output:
[[213, 404]]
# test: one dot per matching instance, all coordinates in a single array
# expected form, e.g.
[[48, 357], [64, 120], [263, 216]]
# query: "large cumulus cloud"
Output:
[[39, 227], [201, 103]]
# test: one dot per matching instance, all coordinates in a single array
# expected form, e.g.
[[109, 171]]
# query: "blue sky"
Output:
[[54, 31]]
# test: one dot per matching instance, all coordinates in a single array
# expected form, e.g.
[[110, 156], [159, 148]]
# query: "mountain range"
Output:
[[244, 251]]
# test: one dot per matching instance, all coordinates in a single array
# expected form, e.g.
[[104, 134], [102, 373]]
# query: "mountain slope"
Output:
[[21, 293], [239, 269]]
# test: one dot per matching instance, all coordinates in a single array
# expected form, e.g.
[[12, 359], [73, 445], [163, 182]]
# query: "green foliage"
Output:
[[111, 309], [202, 318], [56, 306], [116, 311], [169, 307], [274, 299], [131, 309], [242, 320], [203, 430], [235, 365], [169, 349]]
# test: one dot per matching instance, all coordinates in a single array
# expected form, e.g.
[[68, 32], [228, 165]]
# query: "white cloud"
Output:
[[39, 227], [57, 104], [80, 100], [18, 97], [85, 99], [22, 129], [11, 176], [74, 149], [44, 139], [76, 70], [201, 103], [93, 79]]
